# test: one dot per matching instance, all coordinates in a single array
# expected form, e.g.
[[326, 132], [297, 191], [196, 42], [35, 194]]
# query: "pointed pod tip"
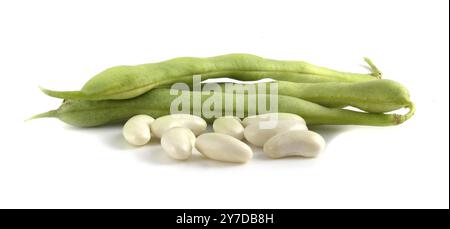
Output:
[[63, 94], [48, 114]]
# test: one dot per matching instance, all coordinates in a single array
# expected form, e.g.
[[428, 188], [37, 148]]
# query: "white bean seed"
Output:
[[270, 116], [294, 143], [137, 130], [223, 147], [178, 142], [196, 124], [229, 125], [257, 135]]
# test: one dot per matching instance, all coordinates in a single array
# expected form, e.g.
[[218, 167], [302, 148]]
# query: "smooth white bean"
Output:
[[137, 130], [223, 147], [270, 116], [229, 125], [196, 124], [178, 143], [255, 134], [294, 143]]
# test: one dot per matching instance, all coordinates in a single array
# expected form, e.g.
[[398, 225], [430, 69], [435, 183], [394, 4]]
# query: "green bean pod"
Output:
[[375, 96], [124, 82], [378, 96], [157, 102]]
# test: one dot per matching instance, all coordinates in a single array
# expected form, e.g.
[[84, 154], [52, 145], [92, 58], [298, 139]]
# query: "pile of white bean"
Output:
[[280, 135]]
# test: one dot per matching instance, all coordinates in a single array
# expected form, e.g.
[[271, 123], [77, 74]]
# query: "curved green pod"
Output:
[[124, 82], [377, 96], [157, 102], [374, 96]]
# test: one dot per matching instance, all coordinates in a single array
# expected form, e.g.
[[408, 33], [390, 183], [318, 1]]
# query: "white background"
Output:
[[61, 44]]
